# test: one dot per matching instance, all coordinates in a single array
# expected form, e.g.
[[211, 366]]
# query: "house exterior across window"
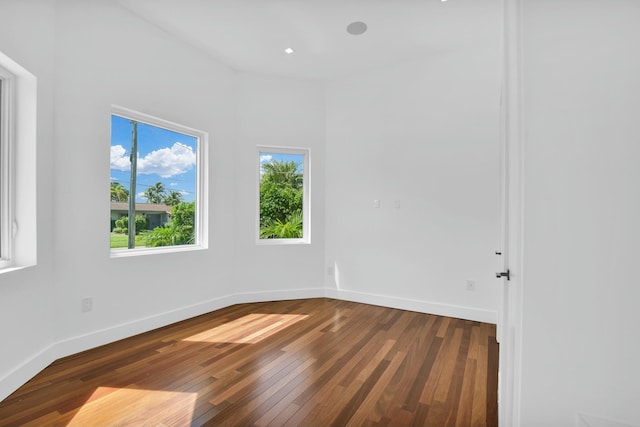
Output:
[[157, 214]]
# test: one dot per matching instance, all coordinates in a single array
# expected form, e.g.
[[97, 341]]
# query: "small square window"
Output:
[[157, 178], [283, 195]]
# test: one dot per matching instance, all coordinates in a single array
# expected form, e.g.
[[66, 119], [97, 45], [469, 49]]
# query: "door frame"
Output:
[[512, 153]]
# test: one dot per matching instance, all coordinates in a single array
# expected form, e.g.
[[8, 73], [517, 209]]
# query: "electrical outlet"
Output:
[[330, 271], [471, 285], [87, 304]]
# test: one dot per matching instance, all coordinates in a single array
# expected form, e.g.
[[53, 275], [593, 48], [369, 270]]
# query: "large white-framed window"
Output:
[[158, 185], [283, 196], [18, 106]]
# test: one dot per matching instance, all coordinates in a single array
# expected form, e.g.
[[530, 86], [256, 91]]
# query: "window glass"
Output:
[[283, 195], [157, 185]]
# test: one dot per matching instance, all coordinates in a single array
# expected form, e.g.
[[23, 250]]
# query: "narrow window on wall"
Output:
[[6, 166], [158, 175], [5, 211], [18, 148], [283, 195]]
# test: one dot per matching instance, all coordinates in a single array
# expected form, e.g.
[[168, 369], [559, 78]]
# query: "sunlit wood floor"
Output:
[[316, 362]]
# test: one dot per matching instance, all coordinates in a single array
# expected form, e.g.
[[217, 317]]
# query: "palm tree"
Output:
[[283, 173], [119, 193], [155, 193], [173, 198]]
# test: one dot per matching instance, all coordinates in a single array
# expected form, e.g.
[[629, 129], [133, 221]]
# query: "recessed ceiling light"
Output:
[[356, 28], [289, 50]]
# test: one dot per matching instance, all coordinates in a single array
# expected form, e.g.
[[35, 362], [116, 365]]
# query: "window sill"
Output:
[[125, 253], [12, 268], [281, 242]]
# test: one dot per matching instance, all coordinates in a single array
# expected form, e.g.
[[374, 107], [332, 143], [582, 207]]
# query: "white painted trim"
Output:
[[510, 365], [103, 336], [585, 420], [40, 360], [280, 295], [26, 370], [19, 165], [126, 252], [114, 333], [7, 165], [449, 310]]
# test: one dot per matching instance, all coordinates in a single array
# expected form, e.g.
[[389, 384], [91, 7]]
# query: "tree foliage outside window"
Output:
[[179, 231], [281, 196], [119, 192]]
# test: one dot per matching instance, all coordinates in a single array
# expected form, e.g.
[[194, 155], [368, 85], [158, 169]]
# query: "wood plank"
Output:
[[463, 415], [368, 404], [479, 404], [285, 363]]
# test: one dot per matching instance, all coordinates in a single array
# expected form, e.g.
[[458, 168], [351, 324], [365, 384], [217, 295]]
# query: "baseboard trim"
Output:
[[29, 368], [25, 371], [584, 420], [78, 343], [457, 311], [66, 347], [97, 338]]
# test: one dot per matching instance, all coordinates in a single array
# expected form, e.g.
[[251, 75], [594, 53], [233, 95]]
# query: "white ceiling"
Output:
[[251, 35]]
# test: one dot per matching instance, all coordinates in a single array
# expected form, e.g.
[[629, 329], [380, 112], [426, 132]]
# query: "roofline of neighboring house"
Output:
[[141, 207]]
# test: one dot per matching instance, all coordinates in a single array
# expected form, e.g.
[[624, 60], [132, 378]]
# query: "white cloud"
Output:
[[165, 162], [119, 159], [168, 162], [173, 184]]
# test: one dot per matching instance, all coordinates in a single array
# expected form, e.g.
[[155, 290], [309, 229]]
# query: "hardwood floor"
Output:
[[316, 362]]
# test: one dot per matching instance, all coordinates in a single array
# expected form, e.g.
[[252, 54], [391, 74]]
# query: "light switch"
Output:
[[376, 203]]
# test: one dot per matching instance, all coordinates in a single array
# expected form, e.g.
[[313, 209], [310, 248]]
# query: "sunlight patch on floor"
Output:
[[248, 329], [135, 407]]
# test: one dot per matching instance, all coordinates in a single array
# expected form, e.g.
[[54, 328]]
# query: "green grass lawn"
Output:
[[122, 240]]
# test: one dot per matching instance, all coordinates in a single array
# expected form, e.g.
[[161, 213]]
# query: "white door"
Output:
[[510, 258]]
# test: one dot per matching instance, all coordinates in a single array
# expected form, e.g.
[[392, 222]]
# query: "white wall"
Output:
[[106, 55], [424, 132], [288, 113], [26, 312], [581, 343], [101, 54]]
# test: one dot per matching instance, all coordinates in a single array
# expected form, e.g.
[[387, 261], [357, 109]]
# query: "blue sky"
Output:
[[163, 155], [268, 156]]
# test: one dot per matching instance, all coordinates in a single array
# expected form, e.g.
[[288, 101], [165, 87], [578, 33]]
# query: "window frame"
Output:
[[202, 173], [306, 194], [7, 167], [18, 167]]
